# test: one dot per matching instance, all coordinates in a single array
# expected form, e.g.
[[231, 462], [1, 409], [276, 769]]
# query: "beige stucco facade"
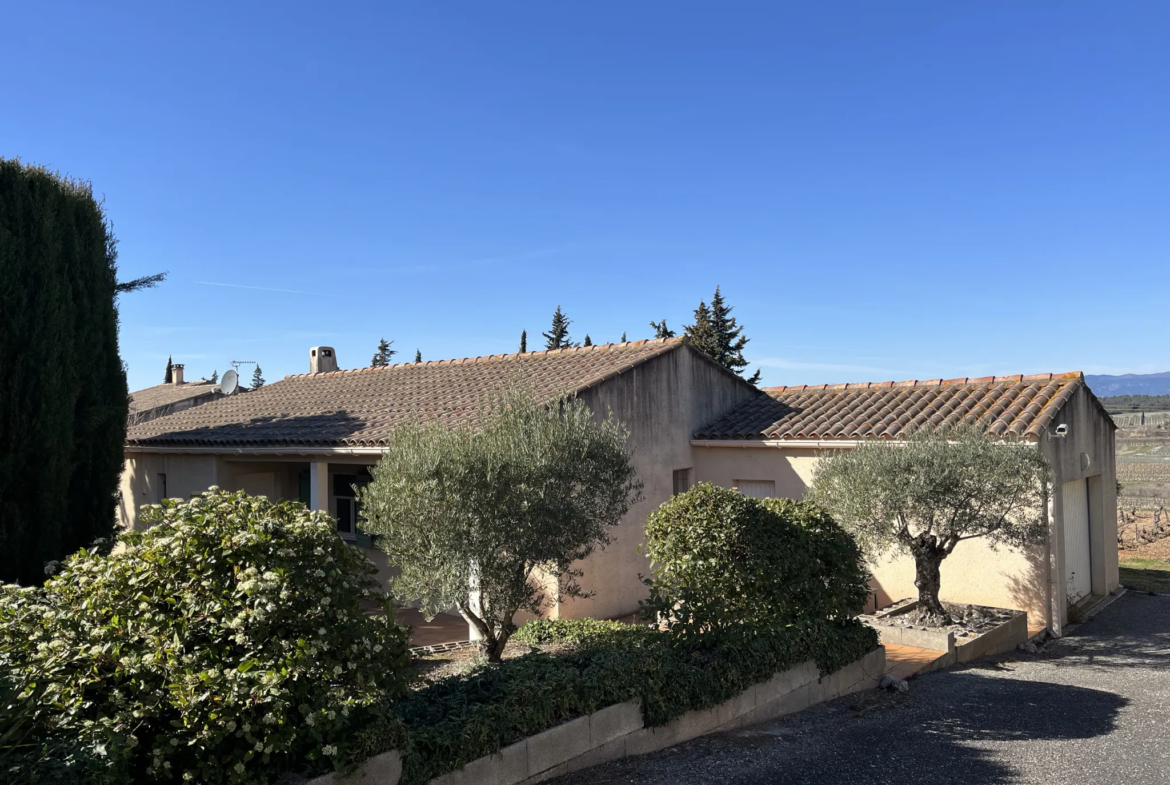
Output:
[[1033, 580]]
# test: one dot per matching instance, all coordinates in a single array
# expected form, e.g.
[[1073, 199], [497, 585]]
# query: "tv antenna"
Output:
[[237, 363]]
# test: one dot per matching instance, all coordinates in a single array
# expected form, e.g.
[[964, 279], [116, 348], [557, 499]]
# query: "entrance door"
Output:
[[1077, 560]]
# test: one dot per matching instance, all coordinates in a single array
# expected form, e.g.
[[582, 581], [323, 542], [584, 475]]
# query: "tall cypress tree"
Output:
[[418, 355], [214, 376], [169, 376], [716, 334], [63, 395], [588, 341], [558, 335], [257, 378], [623, 336], [523, 341]]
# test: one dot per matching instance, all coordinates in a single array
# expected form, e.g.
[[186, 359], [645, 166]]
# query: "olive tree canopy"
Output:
[[490, 517], [929, 492]]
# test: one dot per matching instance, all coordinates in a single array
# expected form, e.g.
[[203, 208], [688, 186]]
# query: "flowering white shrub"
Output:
[[226, 643]]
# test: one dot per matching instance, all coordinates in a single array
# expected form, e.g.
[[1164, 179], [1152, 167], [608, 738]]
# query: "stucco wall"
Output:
[[662, 402], [142, 482], [1031, 579], [1087, 452]]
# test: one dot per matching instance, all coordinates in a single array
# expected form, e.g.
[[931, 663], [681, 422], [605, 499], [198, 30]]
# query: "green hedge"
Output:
[[459, 719], [63, 395], [543, 631], [227, 643], [726, 566]]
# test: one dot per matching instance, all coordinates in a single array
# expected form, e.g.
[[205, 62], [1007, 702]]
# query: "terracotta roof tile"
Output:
[[1020, 406], [166, 394], [359, 408]]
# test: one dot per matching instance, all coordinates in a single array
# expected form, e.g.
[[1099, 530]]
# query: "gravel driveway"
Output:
[[1092, 707]]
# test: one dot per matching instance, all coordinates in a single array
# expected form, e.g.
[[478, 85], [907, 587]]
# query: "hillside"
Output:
[[1129, 384]]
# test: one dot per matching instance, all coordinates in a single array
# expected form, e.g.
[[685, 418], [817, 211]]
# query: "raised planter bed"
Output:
[[981, 631], [619, 731]]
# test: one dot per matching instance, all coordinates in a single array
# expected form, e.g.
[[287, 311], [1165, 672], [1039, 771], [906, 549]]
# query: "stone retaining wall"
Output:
[[618, 731]]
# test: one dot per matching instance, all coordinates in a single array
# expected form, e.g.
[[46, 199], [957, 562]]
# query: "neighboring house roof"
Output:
[[360, 408], [1008, 406], [168, 394]]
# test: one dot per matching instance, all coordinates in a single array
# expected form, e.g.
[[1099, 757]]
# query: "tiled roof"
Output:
[[359, 408], [1008, 406], [167, 394]]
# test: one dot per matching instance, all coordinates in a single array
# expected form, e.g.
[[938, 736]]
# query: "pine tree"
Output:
[[257, 378], [169, 377], [588, 341], [383, 355], [523, 341], [63, 395], [215, 376], [418, 355], [558, 335], [716, 334], [661, 330], [623, 336]]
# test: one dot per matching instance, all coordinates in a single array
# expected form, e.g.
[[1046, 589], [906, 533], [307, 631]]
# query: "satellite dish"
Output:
[[229, 383]]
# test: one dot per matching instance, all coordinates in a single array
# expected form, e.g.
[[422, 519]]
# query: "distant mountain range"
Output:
[[1129, 384]]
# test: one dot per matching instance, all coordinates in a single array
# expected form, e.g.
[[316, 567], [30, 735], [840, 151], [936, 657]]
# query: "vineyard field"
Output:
[[1135, 472], [1134, 419], [1142, 503]]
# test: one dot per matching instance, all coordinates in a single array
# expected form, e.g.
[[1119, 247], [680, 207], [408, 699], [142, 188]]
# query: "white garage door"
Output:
[[1077, 561]]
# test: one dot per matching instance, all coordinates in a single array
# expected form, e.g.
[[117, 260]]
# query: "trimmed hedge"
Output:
[[726, 566], [461, 718], [543, 631], [227, 643], [63, 394]]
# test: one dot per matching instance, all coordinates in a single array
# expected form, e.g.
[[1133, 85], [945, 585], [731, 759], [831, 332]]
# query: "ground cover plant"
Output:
[[932, 490], [458, 719], [227, 643], [507, 505]]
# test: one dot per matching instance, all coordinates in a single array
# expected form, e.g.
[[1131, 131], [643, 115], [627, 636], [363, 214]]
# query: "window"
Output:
[[682, 481], [345, 502], [757, 489]]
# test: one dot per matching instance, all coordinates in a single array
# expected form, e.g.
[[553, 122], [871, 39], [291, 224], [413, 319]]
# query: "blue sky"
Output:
[[883, 191]]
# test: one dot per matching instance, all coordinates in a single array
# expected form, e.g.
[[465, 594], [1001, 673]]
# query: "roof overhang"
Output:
[[254, 451], [805, 444]]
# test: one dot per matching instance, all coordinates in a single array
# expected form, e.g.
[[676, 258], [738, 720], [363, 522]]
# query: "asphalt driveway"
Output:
[[1092, 707]]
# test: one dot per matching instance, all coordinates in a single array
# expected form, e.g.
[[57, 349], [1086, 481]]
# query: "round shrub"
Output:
[[227, 643], [727, 565]]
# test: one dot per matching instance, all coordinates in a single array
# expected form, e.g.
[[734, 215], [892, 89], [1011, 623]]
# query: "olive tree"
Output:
[[491, 516], [927, 493]]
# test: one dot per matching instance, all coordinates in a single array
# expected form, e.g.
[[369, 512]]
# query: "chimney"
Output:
[[322, 359], [176, 373]]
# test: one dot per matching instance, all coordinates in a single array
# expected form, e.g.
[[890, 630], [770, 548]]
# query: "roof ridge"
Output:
[[665, 342], [965, 380]]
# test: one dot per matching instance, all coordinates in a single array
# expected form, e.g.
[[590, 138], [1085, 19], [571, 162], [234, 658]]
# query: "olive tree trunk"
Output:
[[928, 578]]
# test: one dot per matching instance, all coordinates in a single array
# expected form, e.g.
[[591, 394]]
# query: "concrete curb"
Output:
[[618, 731]]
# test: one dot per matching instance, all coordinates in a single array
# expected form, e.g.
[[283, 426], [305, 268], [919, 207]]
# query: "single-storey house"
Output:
[[174, 396], [770, 447], [314, 436]]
